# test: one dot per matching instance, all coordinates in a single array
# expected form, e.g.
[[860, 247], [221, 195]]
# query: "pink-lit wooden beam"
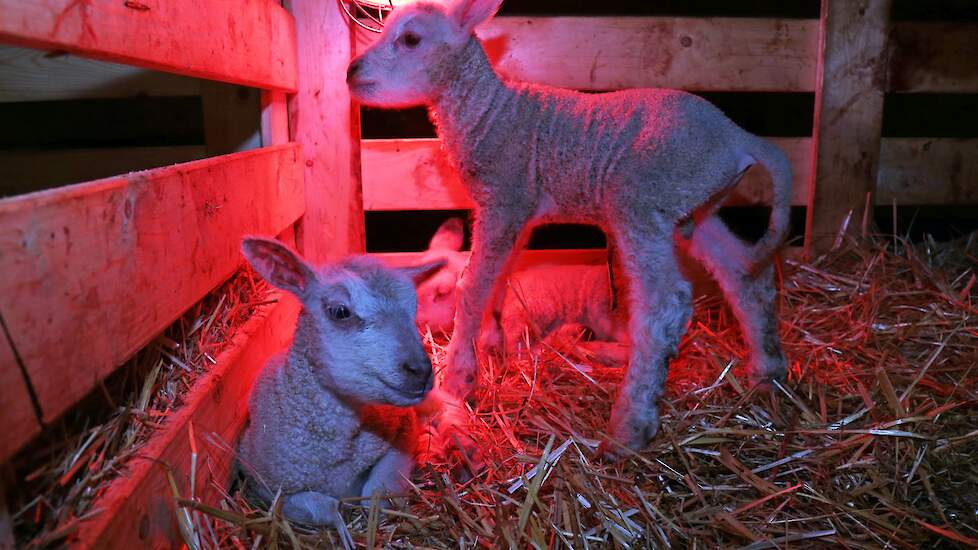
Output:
[[93, 271], [249, 43], [850, 81]]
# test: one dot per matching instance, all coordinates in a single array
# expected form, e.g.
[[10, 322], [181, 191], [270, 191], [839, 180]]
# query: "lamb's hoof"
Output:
[[764, 371], [630, 432]]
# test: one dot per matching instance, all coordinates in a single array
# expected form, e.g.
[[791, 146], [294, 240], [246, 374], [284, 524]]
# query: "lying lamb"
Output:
[[647, 166], [557, 303], [332, 417]]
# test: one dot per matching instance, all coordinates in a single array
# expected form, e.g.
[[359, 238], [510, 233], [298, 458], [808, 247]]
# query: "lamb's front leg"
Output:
[[660, 306], [389, 475], [494, 237]]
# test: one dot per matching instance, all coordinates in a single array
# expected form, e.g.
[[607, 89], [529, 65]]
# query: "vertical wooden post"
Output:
[[326, 125], [850, 79], [274, 119]]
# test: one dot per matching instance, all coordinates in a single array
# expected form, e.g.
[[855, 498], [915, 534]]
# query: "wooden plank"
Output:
[[17, 411], [848, 116], [248, 43], [92, 272], [28, 170], [32, 75], [412, 174], [934, 57], [138, 508], [921, 171], [323, 121], [589, 256], [610, 53], [232, 118]]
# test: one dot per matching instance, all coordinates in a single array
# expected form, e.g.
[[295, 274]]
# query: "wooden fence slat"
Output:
[[138, 509], [33, 75], [412, 174], [609, 53], [848, 116], [90, 273], [249, 43], [26, 170], [19, 420], [931, 171], [323, 121], [933, 57]]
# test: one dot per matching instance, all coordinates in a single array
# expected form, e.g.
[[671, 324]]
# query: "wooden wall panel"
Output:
[[250, 43], [138, 509], [90, 273]]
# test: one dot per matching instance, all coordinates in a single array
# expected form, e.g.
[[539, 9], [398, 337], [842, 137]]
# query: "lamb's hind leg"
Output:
[[751, 297], [660, 305]]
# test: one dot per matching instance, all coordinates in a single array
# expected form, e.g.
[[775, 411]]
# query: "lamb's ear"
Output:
[[449, 236], [471, 13], [420, 273], [278, 264]]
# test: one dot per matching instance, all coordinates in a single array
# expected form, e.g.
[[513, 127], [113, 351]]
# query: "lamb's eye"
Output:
[[338, 312], [410, 39]]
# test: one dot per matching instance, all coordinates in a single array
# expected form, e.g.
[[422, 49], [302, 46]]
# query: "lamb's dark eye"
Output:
[[410, 39], [338, 312]]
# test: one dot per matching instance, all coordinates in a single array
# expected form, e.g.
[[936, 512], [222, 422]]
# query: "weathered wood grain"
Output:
[[138, 508], [27, 170], [90, 273], [249, 43], [16, 410], [848, 117], [34, 75], [324, 123], [610, 53]]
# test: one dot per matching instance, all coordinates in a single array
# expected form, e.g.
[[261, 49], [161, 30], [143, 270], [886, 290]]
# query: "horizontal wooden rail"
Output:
[[34, 75], [412, 174], [250, 43], [90, 273], [710, 54], [138, 509], [587, 256], [609, 53], [26, 170]]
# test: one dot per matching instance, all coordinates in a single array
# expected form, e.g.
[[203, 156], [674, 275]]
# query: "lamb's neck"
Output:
[[473, 96], [302, 382]]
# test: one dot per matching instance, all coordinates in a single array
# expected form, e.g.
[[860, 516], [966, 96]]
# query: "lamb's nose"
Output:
[[351, 71], [418, 371]]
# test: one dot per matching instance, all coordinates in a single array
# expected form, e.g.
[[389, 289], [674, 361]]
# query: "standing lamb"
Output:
[[557, 302], [647, 166], [332, 418]]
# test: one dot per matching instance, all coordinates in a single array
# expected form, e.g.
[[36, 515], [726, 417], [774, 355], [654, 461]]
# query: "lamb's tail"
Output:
[[777, 165]]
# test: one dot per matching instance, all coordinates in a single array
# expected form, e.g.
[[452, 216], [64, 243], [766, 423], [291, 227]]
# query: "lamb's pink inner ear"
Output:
[[471, 13], [277, 264]]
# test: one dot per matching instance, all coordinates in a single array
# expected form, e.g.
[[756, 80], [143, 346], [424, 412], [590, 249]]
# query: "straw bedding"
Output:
[[870, 443]]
